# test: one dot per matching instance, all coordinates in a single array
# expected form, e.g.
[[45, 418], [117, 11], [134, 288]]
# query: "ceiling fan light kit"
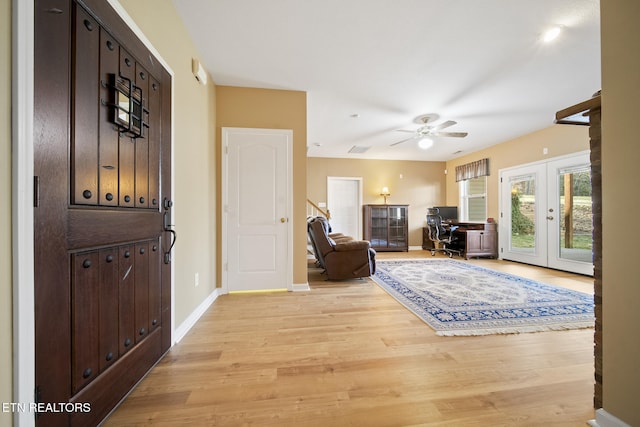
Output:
[[425, 143]]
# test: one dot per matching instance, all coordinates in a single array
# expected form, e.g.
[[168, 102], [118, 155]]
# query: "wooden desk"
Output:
[[474, 239]]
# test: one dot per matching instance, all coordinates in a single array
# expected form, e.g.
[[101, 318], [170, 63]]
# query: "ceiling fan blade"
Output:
[[451, 134], [405, 130], [404, 140], [443, 125]]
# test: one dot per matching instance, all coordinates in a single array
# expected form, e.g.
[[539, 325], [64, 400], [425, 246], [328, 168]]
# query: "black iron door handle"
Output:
[[167, 254], [168, 228]]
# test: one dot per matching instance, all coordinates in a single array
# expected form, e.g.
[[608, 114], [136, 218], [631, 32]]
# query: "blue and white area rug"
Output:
[[458, 298]]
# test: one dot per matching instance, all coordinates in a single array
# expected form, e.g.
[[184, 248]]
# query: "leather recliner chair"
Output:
[[342, 258]]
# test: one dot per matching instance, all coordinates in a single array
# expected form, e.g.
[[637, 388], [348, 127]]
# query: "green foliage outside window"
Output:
[[520, 223]]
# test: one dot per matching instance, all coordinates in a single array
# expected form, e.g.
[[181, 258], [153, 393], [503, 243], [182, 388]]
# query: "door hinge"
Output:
[[36, 191]]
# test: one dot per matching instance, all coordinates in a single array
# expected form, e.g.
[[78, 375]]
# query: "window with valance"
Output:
[[472, 170], [473, 190]]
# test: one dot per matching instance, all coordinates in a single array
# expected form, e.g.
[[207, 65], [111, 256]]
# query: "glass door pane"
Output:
[[397, 220], [523, 214], [379, 226], [575, 224]]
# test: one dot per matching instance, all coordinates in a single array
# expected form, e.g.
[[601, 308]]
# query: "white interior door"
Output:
[[257, 209], [344, 201], [546, 216]]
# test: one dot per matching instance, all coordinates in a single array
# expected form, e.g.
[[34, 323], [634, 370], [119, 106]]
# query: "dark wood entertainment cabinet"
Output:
[[386, 227], [474, 239]]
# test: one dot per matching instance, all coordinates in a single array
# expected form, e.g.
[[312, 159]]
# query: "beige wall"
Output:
[[194, 155], [558, 139], [620, 159], [272, 109], [418, 184], [6, 332]]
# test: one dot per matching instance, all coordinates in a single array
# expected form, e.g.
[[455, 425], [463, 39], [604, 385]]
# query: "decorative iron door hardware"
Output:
[[169, 229], [127, 108]]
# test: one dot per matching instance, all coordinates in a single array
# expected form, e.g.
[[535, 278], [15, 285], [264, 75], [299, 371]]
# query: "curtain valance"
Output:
[[472, 170]]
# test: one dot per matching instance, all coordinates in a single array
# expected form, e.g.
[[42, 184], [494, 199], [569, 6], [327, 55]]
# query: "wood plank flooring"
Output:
[[347, 354]]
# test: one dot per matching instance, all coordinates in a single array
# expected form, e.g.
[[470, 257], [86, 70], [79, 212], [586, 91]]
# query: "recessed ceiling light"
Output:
[[552, 33]]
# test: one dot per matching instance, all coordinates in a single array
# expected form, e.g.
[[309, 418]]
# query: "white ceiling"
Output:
[[480, 63]]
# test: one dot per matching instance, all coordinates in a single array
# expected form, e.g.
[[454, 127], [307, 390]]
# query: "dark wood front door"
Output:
[[102, 152]]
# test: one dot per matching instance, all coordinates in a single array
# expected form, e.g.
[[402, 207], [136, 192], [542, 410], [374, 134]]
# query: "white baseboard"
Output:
[[605, 419], [300, 287], [182, 330], [415, 248]]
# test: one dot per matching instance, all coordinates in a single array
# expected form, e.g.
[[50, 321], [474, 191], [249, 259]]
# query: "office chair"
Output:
[[440, 237]]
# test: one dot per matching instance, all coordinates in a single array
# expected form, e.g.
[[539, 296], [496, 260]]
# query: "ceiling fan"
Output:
[[424, 132]]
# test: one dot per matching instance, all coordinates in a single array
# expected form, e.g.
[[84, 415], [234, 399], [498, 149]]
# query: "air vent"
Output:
[[358, 149]]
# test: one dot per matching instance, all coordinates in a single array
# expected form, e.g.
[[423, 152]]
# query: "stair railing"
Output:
[[314, 210]]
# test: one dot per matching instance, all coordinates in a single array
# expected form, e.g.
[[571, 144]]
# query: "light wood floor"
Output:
[[347, 354]]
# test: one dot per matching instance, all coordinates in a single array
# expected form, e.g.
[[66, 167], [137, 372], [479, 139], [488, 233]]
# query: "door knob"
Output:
[[283, 220], [549, 218]]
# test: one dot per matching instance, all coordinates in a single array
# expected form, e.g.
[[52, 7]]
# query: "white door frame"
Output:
[[24, 379], [358, 235], [225, 202], [23, 281]]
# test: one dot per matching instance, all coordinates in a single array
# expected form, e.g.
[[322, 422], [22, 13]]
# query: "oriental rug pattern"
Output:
[[458, 298]]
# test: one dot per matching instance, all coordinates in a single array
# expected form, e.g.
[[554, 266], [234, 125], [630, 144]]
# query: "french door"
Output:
[[546, 216]]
